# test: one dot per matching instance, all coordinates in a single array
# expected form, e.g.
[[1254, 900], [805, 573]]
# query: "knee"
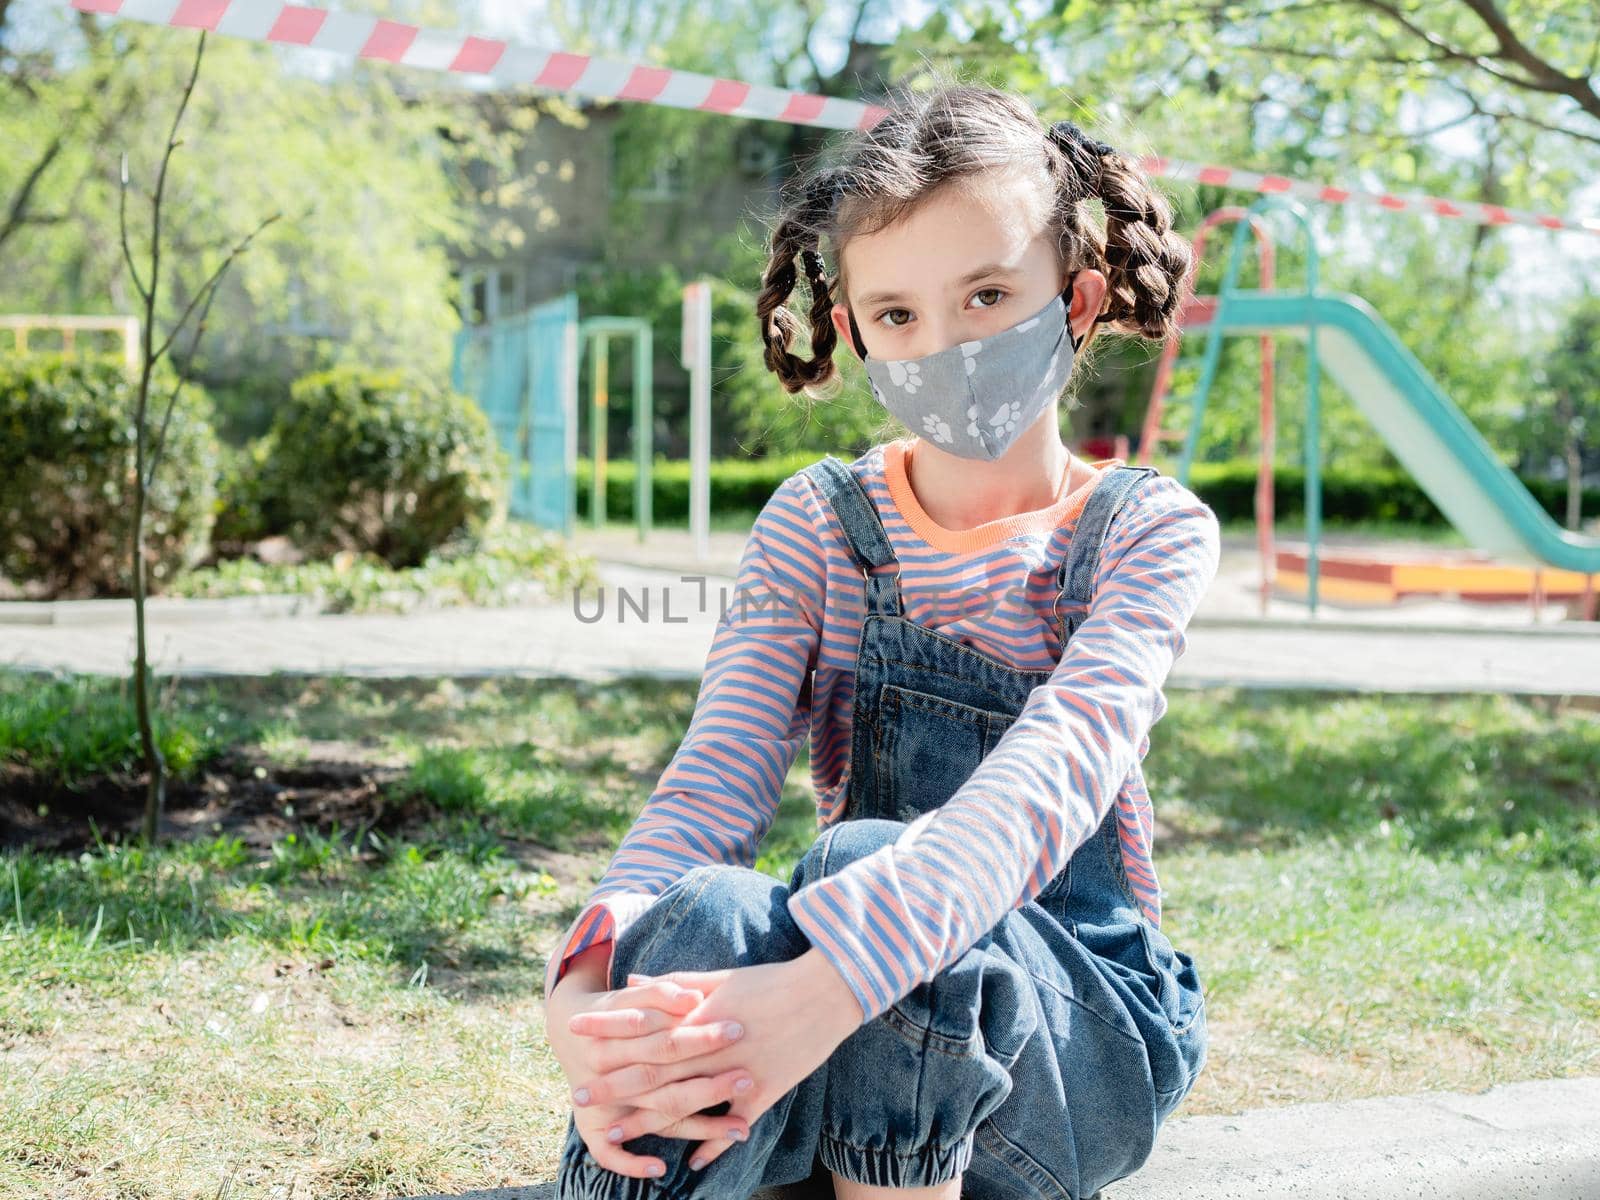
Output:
[[840, 844], [711, 917]]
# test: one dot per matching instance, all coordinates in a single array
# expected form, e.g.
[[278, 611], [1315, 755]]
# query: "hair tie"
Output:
[[1065, 132]]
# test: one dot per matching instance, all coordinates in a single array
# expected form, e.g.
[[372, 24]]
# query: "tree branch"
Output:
[[209, 292], [211, 284], [1545, 76], [122, 222], [17, 216], [1543, 125]]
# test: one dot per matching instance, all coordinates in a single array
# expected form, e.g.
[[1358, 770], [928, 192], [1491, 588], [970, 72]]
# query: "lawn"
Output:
[[325, 983]]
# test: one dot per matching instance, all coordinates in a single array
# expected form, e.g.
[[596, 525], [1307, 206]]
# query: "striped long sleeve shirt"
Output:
[[898, 917]]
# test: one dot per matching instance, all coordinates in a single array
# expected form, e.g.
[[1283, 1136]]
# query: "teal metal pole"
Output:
[[643, 427], [599, 358], [1311, 450]]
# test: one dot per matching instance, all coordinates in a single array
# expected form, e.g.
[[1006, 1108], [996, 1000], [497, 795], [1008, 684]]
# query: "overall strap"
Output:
[[869, 544], [1075, 577]]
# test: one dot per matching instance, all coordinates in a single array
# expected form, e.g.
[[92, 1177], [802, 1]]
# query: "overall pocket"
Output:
[[928, 748], [1182, 1000]]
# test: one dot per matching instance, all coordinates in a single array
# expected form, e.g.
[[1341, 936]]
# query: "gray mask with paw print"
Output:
[[975, 398]]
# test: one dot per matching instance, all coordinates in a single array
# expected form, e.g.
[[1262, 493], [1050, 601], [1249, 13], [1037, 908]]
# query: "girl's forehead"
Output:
[[947, 236]]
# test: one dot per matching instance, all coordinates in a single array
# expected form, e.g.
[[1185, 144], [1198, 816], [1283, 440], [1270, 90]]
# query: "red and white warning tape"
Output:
[[511, 64]]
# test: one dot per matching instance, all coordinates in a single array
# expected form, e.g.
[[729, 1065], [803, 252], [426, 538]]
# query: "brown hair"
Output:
[[931, 139]]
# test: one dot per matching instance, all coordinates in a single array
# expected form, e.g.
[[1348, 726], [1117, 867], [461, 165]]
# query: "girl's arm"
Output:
[[1050, 780], [717, 797]]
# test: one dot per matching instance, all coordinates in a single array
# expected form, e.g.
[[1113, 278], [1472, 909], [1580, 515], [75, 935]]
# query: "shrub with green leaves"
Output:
[[379, 462], [245, 512], [67, 461]]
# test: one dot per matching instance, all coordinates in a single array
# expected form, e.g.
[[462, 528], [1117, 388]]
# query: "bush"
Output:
[[737, 484], [67, 459], [1349, 495], [246, 513], [377, 462]]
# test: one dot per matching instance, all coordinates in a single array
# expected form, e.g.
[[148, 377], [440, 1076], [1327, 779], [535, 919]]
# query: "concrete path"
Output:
[[1517, 1141]]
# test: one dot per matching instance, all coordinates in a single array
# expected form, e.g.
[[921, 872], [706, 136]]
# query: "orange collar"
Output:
[[1043, 520]]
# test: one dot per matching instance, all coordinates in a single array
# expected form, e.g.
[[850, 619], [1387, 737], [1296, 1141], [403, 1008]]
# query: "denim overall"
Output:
[[1043, 1060]]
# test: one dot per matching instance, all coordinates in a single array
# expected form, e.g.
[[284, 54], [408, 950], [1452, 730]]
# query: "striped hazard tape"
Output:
[[511, 64]]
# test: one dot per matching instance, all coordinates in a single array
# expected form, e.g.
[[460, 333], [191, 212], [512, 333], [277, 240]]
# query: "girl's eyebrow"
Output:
[[970, 277]]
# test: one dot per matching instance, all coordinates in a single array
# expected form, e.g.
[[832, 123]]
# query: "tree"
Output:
[[362, 275], [1570, 418], [773, 43], [148, 289], [1325, 90]]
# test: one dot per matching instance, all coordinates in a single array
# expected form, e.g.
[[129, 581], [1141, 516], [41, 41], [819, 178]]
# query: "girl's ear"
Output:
[[1089, 288], [841, 322]]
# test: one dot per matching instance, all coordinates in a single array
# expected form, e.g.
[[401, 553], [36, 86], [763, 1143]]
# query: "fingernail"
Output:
[[733, 1030], [614, 1133], [657, 1169], [581, 1096], [739, 1135], [743, 1085], [696, 1164]]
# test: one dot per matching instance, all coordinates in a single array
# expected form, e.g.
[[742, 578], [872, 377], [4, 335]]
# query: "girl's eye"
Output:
[[998, 293]]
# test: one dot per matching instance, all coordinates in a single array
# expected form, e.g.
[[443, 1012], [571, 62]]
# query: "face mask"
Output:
[[975, 398]]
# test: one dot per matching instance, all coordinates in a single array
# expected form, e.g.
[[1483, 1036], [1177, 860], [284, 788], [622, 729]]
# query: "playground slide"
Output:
[[1430, 436]]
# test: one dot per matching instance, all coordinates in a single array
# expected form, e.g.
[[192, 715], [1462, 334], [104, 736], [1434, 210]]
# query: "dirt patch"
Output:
[[241, 793]]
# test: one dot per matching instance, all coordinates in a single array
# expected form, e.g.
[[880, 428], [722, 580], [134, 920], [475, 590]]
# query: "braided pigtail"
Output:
[[1145, 262], [797, 234], [1148, 262]]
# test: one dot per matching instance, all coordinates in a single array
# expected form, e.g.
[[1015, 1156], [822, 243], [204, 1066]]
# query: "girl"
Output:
[[963, 989]]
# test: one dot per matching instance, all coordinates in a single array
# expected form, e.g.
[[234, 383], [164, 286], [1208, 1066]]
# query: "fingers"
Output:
[[705, 981], [624, 1071], [614, 1158], [708, 1151], [671, 1043], [631, 1022], [591, 1126], [677, 1110], [662, 994]]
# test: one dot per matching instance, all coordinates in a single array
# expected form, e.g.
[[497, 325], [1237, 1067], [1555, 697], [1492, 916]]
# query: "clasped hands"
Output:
[[648, 1057]]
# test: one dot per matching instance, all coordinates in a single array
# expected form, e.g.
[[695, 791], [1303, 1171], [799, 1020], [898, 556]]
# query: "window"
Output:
[[665, 181], [489, 293]]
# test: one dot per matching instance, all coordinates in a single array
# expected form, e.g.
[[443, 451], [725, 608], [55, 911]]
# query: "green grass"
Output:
[[1383, 894], [74, 727]]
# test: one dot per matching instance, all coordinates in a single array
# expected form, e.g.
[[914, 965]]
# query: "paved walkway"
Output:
[[659, 620], [1518, 1141]]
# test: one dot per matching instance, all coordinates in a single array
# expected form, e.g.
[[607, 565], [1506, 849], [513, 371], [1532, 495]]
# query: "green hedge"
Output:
[[737, 485], [67, 457], [379, 462], [1348, 497]]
